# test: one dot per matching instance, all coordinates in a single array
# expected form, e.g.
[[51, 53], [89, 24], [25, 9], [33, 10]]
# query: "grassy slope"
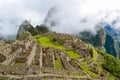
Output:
[[84, 66], [58, 64], [45, 41]]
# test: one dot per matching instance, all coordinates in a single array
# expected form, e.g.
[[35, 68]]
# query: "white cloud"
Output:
[[94, 11], [70, 13]]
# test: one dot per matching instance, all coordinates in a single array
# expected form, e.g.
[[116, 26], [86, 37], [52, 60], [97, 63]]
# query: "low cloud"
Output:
[[72, 16]]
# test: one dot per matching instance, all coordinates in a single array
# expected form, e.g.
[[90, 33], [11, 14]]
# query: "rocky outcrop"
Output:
[[50, 19], [98, 39], [102, 41], [26, 26], [111, 46]]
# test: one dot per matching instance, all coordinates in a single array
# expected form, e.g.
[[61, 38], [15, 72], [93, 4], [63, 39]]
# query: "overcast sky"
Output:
[[13, 12]]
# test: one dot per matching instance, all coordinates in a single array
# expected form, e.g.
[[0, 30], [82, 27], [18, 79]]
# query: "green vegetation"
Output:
[[111, 64], [72, 54], [97, 40], [96, 61], [102, 41], [42, 28], [95, 66], [23, 36], [45, 41], [58, 65], [85, 68], [70, 73], [111, 46], [94, 55], [33, 31], [2, 78], [105, 61]]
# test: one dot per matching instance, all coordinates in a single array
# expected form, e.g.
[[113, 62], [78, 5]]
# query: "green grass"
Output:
[[74, 74], [59, 78], [111, 77], [57, 64], [94, 55], [72, 54], [85, 68], [2, 78], [45, 41]]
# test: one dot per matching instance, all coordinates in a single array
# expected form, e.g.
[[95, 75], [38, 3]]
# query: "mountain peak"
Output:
[[25, 25], [51, 19]]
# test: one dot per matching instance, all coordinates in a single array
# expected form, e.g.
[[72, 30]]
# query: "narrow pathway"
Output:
[[45, 75], [32, 54], [41, 57], [53, 58]]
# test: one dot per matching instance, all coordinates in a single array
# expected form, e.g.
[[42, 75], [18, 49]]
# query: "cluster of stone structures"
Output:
[[27, 59]]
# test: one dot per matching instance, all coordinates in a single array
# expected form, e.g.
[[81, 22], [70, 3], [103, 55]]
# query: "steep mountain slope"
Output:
[[101, 40], [111, 46], [98, 39], [115, 33], [26, 26], [50, 19]]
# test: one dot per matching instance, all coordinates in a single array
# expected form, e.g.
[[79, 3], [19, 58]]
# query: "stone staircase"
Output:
[[11, 57], [32, 54]]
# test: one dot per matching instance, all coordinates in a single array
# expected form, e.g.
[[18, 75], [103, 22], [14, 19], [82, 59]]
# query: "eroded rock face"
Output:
[[2, 58], [24, 27], [101, 40]]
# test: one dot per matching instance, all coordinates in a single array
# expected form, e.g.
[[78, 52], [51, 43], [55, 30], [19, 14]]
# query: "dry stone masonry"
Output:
[[27, 59]]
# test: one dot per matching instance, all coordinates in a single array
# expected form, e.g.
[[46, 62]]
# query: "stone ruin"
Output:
[[26, 59]]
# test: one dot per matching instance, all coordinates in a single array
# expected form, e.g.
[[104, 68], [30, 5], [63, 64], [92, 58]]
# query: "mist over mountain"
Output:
[[70, 16]]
